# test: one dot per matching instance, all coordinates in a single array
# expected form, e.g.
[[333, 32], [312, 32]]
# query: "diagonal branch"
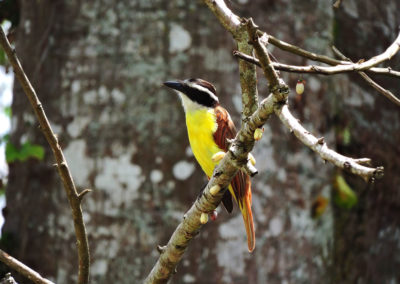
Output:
[[355, 166], [262, 54], [22, 269], [190, 226], [248, 75], [227, 18], [63, 170], [237, 156], [375, 85]]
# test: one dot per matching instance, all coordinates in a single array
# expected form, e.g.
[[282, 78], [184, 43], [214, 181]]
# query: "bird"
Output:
[[210, 128]]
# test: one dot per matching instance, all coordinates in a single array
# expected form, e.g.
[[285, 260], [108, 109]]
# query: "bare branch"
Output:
[[190, 226], [277, 65], [228, 19], [328, 60], [248, 75], [354, 166], [63, 170], [388, 54], [262, 54], [240, 147], [248, 81], [388, 94], [83, 193], [375, 85], [311, 68], [304, 53], [22, 269]]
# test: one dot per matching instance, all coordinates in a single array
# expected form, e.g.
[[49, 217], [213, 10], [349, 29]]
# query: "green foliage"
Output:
[[26, 151], [345, 196], [346, 136], [3, 58], [7, 111]]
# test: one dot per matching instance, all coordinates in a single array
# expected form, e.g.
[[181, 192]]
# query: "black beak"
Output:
[[176, 85]]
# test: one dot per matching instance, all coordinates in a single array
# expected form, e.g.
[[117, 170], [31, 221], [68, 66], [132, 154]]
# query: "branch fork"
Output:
[[254, 117]]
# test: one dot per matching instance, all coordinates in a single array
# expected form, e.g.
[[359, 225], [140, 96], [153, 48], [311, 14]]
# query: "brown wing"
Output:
[[226, 130], [241, 184]]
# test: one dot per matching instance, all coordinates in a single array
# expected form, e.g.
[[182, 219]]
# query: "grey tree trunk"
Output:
[[367, 239], [98, 66]]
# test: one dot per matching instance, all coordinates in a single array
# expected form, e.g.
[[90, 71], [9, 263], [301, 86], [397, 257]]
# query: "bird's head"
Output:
[[195, 93]]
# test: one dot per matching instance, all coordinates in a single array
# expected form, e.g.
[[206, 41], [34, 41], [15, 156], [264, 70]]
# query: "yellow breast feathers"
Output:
[[201, 125]]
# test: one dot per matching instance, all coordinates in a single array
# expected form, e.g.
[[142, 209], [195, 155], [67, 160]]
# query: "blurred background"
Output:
[[98, 68]]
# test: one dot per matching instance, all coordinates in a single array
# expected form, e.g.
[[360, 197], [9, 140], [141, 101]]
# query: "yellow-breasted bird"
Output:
[[209, 127]]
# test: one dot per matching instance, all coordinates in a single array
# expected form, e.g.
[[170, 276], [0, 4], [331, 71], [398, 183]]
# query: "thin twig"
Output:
[[310, 68], [375, 85], [63, 170], [304, 53], [262, 54], [325, 59], [22, 269], [354, 166], [362, 66]]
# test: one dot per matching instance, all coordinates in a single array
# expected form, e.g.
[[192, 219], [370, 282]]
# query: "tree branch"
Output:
[[325, 59], [375, 85], [304, 53], [22, 269], [317, 145], [355, 166], [387, 55], [248, 75], [236, 157], [313, 69], [248, 81], [262, 54], [227, 18], [62, 166]]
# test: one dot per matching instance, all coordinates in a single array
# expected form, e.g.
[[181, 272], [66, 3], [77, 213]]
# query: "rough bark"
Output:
[[366, 246]]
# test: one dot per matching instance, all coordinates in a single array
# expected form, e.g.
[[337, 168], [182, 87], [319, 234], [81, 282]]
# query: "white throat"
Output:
[[189, 105]]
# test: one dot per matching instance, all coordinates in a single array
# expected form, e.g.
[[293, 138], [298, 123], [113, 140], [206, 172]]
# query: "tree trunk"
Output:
[[366, 246]]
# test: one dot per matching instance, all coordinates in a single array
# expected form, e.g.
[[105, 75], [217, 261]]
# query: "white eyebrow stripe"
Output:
[[201, 88]]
